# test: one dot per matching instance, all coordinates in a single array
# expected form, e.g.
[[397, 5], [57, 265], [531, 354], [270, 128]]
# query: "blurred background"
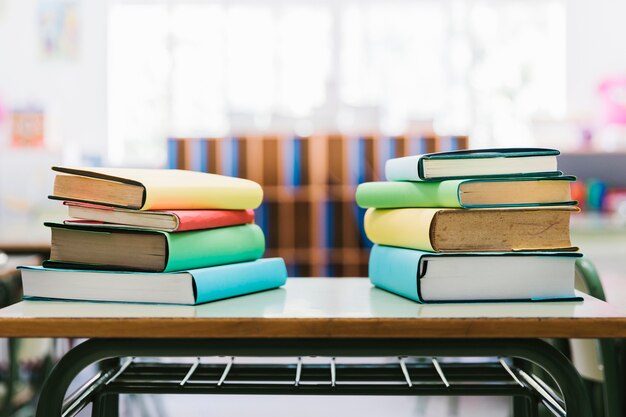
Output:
[[309, 98]]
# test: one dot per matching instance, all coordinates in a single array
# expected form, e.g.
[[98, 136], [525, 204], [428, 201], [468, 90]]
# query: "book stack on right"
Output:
[[472, 226]]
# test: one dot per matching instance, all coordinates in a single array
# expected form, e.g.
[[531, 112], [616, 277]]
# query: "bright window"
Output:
[[197, 69]]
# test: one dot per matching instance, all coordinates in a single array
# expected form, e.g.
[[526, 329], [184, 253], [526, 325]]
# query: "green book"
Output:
[[104, 248], [473, 193]]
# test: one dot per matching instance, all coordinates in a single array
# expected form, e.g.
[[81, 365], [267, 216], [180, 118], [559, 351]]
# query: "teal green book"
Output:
[[474, 163], [190, 287], [102, 248], [469, 193], [428, 277]]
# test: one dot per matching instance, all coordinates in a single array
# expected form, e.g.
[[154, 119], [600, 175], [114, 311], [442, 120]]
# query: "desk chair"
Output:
[[598, 360], [12, 380], [12, 371]]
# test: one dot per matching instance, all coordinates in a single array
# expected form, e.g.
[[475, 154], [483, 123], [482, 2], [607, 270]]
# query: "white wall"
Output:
[[73, 93], [596, 48]]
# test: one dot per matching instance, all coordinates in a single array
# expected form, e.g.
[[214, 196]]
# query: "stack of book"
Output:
[[476, 225], [158, 236]]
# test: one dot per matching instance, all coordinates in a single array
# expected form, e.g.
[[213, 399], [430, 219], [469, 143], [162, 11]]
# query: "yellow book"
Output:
[[155, 189], [471, 230]]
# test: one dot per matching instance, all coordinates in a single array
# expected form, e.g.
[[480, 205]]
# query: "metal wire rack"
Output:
[[324, 376]]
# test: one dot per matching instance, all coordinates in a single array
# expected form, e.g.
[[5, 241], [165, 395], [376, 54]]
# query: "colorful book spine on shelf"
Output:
[[292, 152], [262, 216], [172, 153], [360, 218], [228, 156], [387, 149], [361, 161], [308, 214], [201, 156], [422, 144], [329, 237]]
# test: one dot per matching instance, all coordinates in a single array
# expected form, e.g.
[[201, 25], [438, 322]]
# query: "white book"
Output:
[[474, 163]]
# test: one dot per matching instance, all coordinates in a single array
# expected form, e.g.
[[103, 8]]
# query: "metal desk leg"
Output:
[[536, 351], [6, 408], [110, 403]]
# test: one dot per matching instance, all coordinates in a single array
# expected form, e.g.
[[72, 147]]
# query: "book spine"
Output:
[[297, 161], [387, 147], [228, 157], [210, 219], [238, 279], [398, 194], [172, 153], [356, 160], [395, 270], [403, 169], [405, 228], [364, 241], [202, 155]]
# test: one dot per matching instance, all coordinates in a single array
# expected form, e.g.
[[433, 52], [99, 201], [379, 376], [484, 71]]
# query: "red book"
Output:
[[166, 220]]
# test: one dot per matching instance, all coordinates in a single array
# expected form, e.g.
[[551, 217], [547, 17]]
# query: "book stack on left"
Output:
[[469, 226], [156, 236]]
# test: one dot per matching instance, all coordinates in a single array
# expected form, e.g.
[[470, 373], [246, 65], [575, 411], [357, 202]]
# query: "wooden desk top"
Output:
[[319, 308]]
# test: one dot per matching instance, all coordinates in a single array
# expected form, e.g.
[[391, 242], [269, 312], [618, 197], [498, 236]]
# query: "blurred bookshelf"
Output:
[[308, 214]]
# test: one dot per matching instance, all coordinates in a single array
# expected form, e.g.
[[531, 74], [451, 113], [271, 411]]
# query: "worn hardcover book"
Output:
[[193, 286], [155, 189], [463, 230], [474, 193], [473, 163], [105, 248], [428, 277], [166, 220]]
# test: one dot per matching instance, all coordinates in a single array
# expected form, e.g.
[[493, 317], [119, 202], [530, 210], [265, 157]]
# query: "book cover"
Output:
[[164, 189], [499, 162], [181, 251], [166, 220], [485, 193], [462, 230], [411, 274], [193, 286]]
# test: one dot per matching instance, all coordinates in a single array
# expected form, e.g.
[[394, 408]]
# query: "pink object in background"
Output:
[[2, 112], [613, 95]]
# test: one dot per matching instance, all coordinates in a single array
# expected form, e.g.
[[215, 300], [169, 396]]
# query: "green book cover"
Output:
[[224, 245], [468, 193], [392, 194], [183, 250]]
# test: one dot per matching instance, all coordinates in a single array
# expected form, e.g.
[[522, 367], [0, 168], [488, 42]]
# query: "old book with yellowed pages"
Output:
[[466, 230], [472, 193], [106, 248], [155, 189]]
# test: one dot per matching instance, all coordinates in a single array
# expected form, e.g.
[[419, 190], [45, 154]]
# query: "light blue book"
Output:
[[195, 286], [428, 277]]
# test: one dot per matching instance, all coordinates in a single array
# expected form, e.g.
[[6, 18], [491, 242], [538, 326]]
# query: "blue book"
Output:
[[194, 286], [428, 277], [386, 150], [292, 162], [172, 153], [201, 152]]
